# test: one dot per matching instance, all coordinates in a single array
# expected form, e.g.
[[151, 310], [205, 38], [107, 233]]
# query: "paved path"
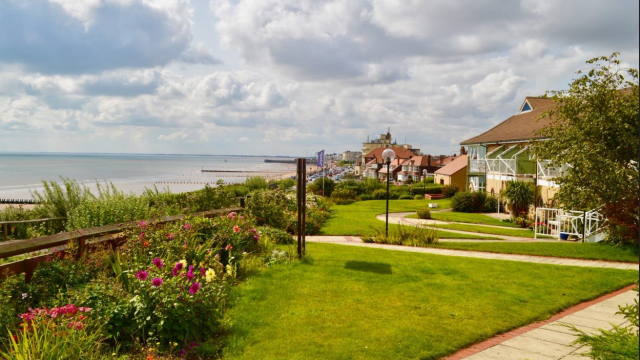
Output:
[[399, 218], [547, 340], [355, 241]]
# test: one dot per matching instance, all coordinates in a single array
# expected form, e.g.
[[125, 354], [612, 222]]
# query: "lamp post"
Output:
[[388, 155]]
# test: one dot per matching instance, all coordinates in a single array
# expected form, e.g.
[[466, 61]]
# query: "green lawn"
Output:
[[363, 303], [358, 218], [470, 218], [526, 233], [569, 250]]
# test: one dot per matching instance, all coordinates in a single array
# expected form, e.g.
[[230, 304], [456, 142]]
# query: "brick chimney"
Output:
[[463, 151]]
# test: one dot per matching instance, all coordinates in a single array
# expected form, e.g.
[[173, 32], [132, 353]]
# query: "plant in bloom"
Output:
[[228, 247], [156, 282], [187, 226], [142, 225], [236, 229], [158, 263], [142, 275], [232, 215], [194, 288], [210, 275]]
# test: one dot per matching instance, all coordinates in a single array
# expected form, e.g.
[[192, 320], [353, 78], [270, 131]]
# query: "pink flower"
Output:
[[175, 271], [171, 236], [142, 225], [187, 226], [194, 288], [256, 237], [228, 247], [156, 282], [232, 215], [236, 229], [142, 275], [158, 263], [203, 271], [179, 265]]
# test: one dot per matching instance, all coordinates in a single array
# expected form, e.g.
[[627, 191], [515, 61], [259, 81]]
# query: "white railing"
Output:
[[477, 166], [562, 223], [547, 171], [501, 166]]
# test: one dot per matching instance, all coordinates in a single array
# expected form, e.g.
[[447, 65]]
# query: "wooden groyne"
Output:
[[18, 201]]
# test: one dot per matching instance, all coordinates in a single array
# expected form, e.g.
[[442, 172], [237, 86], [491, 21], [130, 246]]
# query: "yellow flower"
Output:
[[210, 275], [184, 263]]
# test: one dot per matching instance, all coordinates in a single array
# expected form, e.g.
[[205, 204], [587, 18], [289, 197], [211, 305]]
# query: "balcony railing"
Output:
[[547, 171], [477, 166], [501, 166]]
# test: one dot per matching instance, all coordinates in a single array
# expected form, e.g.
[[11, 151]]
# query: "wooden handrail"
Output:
[[9, 222], [19, 247]]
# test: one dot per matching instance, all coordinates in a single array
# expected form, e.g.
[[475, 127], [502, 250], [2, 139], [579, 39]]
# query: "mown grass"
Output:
[[525, 233], [589, 251], [471, 218], [362, 303], [359, 217]]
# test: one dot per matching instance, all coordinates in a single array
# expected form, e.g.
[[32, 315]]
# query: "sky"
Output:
[[287, 77]]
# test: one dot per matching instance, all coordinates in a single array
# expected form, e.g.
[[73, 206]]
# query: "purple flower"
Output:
[[142, 275], [142, 225], [189, 275], [171, 236], [175, 271], [203, 271], [156, 282], [187, 226], [194, 288], [179, 265], [232, 215], [158, 263]]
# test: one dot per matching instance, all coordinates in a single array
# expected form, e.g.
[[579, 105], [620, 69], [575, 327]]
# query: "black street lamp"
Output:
[[388, 155]]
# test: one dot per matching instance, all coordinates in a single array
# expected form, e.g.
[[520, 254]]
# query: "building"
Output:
[[351, 156], [384, 141], [373, 161], [454, 173], [502, 153]]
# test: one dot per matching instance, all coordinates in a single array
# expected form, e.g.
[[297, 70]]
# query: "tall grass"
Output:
[[403, 235], [58, 200]]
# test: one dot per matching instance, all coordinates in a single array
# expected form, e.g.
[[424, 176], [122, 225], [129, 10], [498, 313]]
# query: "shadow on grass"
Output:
[[374, 267]]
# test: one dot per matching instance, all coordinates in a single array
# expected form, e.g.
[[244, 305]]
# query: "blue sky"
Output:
[[286, 77]]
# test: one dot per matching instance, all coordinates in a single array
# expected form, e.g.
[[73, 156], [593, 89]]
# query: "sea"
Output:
[[22, 173]]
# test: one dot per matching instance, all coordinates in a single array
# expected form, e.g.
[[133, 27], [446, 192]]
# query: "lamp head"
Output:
[[388, 155]]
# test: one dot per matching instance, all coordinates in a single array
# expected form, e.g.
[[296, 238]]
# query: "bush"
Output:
[[371, 185], [490, 204], [450, 190], [275, 236], [405, 197], [380, 194], [357, 186], [418, 197], [286, 184], [519, 196], [469, 202], [430, 189], [424, 213], [317, 186], [344, 195], [256, 183], [366, 197], [403, 235], [270, 208]]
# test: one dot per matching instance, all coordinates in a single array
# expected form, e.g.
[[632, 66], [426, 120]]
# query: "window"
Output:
[[526, 107]]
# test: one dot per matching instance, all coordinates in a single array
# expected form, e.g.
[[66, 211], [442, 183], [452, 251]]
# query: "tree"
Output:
[[519, 195], [594, 129]]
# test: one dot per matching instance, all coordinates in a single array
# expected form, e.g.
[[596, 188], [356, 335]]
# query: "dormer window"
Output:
[[526, 107]]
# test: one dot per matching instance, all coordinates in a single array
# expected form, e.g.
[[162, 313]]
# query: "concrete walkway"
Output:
[[547, 340], [356, 241]]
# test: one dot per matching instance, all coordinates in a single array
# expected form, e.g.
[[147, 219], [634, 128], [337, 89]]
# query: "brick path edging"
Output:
[[498, 339]]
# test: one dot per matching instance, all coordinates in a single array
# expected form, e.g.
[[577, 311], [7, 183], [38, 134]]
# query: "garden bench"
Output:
[[432, 196]]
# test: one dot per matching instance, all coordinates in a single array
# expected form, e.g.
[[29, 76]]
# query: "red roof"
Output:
[[454, 166], [401, 153]]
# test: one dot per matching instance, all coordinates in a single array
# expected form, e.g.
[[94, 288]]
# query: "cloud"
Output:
[[175, 136], [72, 37], [495, 88]]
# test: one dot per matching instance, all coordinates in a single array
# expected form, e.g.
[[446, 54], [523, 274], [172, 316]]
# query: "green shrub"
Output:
[[317, 186], [430, 189], [58, 200], [286, 184], [620, 343], [418, 197], [490, 204], [519, 195], [256, 183], [380, 194], [108, 209], [465, 201], [366, 197], [450, 190], [344, 194], [424, 213], [405, 197], [371, 185], [270, 208], [275, 236], [357, 186], [403, 235]]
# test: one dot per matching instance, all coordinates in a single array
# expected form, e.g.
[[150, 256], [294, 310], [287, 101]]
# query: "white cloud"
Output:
[[175, 136]]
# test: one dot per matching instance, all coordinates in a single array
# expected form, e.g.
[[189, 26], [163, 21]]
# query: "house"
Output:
[[454, 173], [502, 153], [374, 161], [384, 141]]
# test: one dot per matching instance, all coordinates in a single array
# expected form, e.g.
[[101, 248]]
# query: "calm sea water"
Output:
[[22, 172]]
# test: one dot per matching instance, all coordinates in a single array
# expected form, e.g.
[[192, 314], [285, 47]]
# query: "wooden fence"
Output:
[[109, 235], [4, 225]]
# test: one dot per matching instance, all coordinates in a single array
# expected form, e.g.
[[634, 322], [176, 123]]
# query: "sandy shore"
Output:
[[26, 206]]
